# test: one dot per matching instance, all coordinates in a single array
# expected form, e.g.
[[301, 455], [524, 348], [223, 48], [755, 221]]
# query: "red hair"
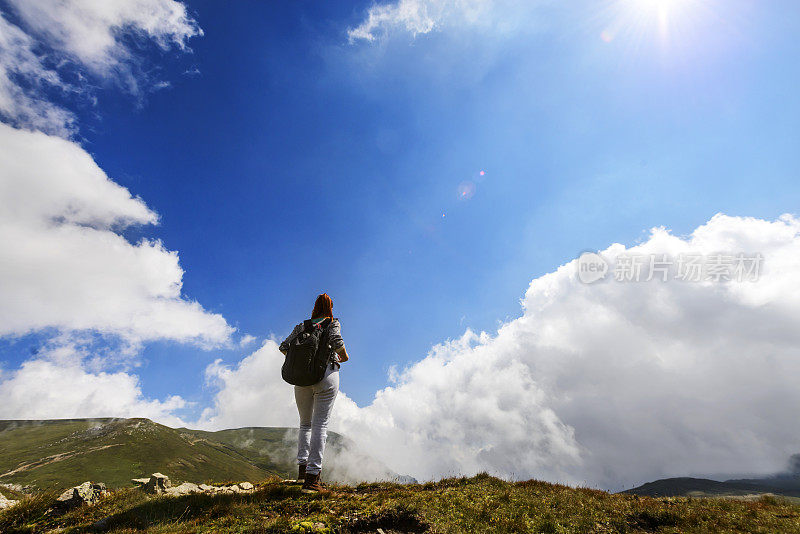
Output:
[[323, 307]]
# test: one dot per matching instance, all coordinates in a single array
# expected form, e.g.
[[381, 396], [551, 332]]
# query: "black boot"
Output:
[[312, 483]]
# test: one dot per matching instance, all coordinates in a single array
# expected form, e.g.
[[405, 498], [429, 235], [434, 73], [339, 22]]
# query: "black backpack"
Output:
[[308, 355]]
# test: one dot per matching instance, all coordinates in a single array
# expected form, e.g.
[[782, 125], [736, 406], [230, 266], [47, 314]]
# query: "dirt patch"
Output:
[[399, 521], [55, 458], [653, 521]]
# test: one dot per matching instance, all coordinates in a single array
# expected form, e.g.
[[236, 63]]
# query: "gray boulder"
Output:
[[158, 483], [5, 502], [86, 493], [183, 489]]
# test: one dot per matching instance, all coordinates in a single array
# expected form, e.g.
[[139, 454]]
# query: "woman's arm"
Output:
[[336, 341]]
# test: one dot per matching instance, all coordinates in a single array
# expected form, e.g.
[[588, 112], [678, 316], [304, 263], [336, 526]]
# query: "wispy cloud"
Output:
[[419, 17], [246, 340], [23, 105], [51, 43], [413, 16]]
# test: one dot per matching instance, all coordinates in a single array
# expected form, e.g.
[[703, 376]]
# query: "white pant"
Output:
[[315, 403]]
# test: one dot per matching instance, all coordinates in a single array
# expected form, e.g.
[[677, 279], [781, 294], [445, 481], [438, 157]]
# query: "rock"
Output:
[[404, 479], [160, 484], [157, 483], [6, 503], [241, 487], [183, 489], [86, 493]]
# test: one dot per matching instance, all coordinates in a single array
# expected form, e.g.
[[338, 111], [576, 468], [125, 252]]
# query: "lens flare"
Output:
[[466, 190]]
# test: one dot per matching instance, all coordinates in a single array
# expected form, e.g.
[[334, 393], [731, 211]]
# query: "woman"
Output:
[[315, 403]]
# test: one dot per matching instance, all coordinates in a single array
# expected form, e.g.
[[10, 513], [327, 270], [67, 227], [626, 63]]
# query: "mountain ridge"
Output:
[[63, 452]]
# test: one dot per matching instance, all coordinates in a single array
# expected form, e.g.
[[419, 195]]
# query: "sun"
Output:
[[666, 7], [645, 19]]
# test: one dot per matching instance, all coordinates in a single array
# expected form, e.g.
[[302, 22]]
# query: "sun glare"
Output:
[[641, 20]]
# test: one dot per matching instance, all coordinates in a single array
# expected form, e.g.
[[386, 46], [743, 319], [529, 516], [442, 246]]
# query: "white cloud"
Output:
[[89, 36], [90, 30], [64, 264], [609, 384], [58, 383], [414, 16], [417, 17], [20, 106], [246, 340], [252, 392]]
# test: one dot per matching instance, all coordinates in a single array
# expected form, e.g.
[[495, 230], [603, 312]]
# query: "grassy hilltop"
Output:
[[49, 456], [477, 504]]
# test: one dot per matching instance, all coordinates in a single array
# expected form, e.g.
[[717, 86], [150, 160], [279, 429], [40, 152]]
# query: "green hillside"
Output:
[[697, 487], [65, 452], [269, 448], [458, 505]]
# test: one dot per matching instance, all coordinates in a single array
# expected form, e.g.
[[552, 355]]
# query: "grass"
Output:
[[12, 494], [477, 504]]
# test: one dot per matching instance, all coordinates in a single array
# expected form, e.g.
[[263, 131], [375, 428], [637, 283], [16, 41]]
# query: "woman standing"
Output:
[[315, 402]]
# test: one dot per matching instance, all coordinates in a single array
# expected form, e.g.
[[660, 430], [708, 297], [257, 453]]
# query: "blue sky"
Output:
[[285, 159], [296, 162]]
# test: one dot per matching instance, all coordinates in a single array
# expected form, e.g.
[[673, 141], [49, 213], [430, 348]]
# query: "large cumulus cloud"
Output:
[[607, 384], [65, 379], [66, 266]]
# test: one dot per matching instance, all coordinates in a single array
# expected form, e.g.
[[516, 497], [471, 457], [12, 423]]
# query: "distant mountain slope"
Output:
[[681, 486], [65, 452], [784, 482]]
